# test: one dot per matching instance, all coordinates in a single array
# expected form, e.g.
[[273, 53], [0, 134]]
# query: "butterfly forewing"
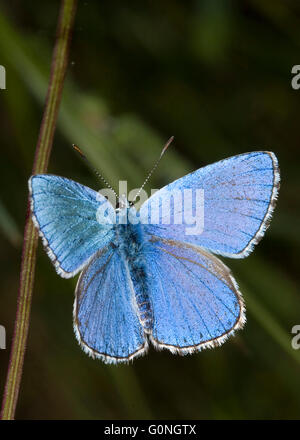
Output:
[[65, 212], [239, 195]]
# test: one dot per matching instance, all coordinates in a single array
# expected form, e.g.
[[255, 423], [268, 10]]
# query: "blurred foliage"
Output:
[[216, 75]]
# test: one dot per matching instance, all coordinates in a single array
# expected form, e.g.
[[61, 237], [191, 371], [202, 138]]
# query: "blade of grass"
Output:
[[42, 154], [109, 144], [130, 391], [271, 325], [270, 297], [9, 227]]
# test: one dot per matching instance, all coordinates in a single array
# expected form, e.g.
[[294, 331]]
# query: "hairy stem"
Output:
[[42, 154]]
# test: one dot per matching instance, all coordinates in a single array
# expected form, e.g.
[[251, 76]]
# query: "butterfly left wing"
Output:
[[106, 323], [65, 213], [230, 203], [195, 300]]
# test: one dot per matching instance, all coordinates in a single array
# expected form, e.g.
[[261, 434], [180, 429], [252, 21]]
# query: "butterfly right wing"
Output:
[[66, 215], [106, 319]]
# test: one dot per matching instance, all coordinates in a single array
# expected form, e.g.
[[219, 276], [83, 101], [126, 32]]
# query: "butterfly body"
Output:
[[130, 243], [145, 277]]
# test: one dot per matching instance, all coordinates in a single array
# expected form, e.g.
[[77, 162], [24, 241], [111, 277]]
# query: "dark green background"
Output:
[[217, 76]]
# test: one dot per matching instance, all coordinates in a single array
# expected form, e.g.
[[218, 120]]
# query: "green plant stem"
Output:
[[42, 154]]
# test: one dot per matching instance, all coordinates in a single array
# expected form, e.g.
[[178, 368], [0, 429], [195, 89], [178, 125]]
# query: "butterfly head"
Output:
[[122, 204], [125, 211]]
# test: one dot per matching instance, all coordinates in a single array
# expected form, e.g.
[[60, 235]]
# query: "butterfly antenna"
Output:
[[155, 165], [76, 148]]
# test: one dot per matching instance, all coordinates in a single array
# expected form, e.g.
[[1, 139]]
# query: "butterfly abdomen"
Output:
[[131, 245], [139, 279]]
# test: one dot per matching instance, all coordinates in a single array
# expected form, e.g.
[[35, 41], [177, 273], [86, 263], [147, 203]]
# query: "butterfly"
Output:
[[148, 282]]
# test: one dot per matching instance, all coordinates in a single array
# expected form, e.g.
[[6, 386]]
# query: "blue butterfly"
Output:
[[152, 282]]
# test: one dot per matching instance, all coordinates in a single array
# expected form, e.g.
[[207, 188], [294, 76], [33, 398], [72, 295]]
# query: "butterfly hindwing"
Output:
[[239, 197], [195, 300], [65, 212], [105, 313]]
